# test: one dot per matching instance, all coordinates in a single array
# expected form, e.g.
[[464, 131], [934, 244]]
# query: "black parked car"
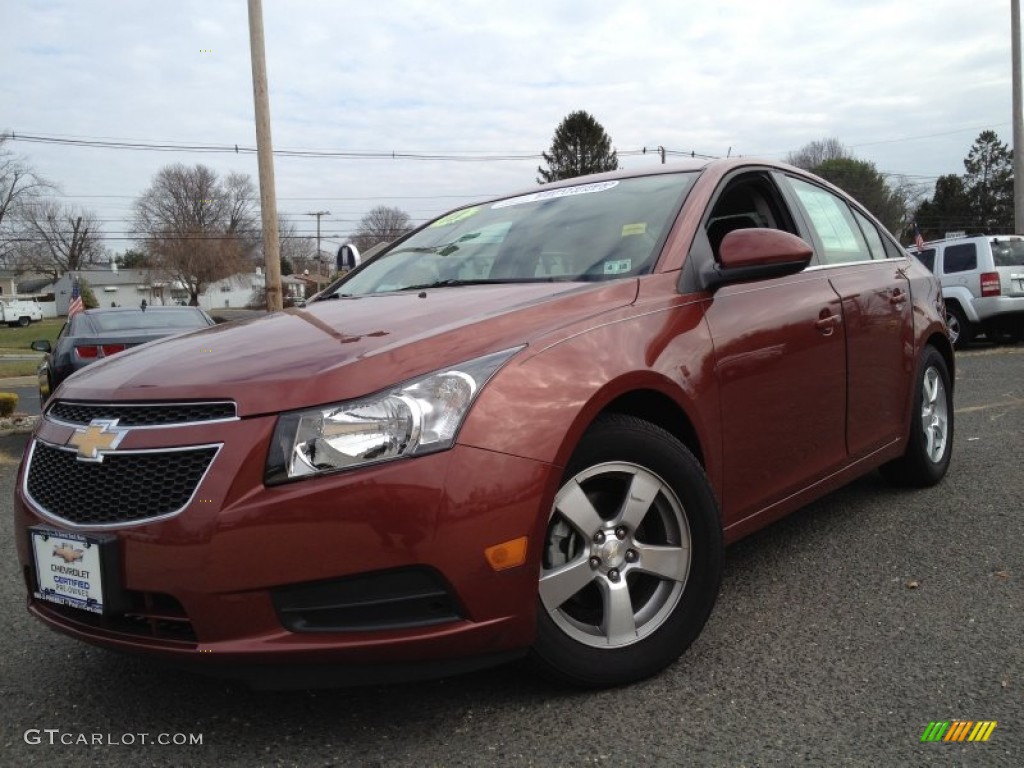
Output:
[[98, 333]]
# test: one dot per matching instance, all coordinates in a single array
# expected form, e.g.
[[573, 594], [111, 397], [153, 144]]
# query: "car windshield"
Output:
[[152, 319], [591, 231], [1008, 253]]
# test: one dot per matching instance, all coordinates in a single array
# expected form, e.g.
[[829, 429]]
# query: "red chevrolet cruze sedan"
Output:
[[527, 428]]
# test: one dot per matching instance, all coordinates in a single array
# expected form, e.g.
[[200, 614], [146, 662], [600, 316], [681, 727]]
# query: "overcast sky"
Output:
[[907, 85]]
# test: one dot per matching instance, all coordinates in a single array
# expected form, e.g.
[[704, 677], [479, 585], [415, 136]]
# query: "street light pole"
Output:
[[1018, 123], [318, 214]]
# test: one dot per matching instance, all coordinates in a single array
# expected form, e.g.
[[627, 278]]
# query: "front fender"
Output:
[[541, 403]]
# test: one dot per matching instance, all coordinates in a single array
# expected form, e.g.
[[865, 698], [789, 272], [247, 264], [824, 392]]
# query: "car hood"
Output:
[[342, 348]]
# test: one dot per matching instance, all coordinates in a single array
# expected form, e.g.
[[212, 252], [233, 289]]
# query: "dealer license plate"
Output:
[[69, 569]]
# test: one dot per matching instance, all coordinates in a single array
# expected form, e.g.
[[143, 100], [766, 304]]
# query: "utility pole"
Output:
[[318, 214], [1018, 123], [265, 158]]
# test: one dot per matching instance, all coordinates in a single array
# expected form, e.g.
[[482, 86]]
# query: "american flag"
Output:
[[918, 240], [76, 305]]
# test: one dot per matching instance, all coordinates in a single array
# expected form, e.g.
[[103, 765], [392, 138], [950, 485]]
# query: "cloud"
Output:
[[908, 85]]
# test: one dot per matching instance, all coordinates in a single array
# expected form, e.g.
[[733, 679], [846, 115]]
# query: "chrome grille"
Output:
[[142, 414], [126, 487]]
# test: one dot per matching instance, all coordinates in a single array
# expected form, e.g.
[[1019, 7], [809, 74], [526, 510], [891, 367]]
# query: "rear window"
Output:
[[151, 319], [960, 258], [1008, 253]]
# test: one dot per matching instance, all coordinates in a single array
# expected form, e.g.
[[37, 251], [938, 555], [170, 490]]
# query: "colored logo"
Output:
[[959, 730], [101, 435], [67, 553]]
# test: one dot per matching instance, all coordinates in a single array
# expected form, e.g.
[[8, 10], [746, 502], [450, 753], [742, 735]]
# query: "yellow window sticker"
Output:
[[455, 216], [634, 229]]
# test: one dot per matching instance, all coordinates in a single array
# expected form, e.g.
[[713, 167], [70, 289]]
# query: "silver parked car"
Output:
[[982, 283]]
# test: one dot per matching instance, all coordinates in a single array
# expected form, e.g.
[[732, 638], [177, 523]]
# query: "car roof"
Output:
[[149, 308]]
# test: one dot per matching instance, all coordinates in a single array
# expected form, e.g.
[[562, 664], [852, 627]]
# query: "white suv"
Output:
[[982, 280]]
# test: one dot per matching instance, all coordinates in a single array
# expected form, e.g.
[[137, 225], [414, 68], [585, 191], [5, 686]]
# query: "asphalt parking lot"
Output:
[[839, 635]]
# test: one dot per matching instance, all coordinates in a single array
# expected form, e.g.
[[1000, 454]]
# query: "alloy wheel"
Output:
[[616, 557], [934, 414]]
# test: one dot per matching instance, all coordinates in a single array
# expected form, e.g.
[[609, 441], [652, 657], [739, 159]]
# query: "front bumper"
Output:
[[219, 584]]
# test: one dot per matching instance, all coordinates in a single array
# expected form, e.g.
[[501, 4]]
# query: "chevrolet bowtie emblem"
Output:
[[100, 436]]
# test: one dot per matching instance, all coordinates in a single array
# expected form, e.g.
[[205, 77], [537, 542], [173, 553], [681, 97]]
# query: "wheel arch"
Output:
[[942, 344], [961, 298], [660, 409], [657, 401]]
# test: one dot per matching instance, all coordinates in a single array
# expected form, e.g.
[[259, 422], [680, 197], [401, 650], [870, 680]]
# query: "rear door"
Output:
[[876, 312]]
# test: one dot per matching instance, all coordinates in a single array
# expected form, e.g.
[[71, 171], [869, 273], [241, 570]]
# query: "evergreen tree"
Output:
[[132, 259], [580, 146], [979, 201], [88, 297], [949, 210], [989, 183]]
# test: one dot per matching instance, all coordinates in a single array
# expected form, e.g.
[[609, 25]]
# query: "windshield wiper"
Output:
[[481, 281], [450, 282]]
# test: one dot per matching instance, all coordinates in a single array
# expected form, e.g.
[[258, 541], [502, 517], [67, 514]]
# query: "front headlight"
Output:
[[420, 416]]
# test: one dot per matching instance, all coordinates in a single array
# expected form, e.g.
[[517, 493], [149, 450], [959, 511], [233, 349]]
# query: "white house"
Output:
[[130, 287]]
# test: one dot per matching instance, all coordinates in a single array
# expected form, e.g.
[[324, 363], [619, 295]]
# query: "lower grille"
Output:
[[410, 597], [124, 488], [151, 614]]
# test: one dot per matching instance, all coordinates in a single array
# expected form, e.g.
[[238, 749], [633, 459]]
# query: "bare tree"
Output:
[[57, 239], [196, 228], [812, 155], [298, 250], [381, 225], [19, 185]]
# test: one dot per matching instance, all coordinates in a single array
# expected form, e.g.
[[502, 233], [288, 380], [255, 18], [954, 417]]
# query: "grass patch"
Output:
[[19, 339], [10, 368]]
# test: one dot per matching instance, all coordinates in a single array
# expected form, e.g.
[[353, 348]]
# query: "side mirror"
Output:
[[758, 254], [42, 345]]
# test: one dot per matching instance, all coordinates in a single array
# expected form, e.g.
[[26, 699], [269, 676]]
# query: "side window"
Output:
[[927, 257], [833, 222], [871, 235], [960, 258]]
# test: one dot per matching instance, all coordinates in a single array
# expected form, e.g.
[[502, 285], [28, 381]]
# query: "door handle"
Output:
[[828, 324], [898, 298]]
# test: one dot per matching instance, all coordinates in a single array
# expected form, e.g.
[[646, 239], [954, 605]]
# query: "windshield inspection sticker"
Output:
[[634, 229], [618, 267], [451, 218], [551, 194]]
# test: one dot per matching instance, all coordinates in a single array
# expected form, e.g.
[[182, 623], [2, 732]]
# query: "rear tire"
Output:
[[24, 322], [961, 332], [926, 459], [632, 557]]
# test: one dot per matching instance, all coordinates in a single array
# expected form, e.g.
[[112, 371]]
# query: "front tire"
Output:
[[632, 557], [926, 459]]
